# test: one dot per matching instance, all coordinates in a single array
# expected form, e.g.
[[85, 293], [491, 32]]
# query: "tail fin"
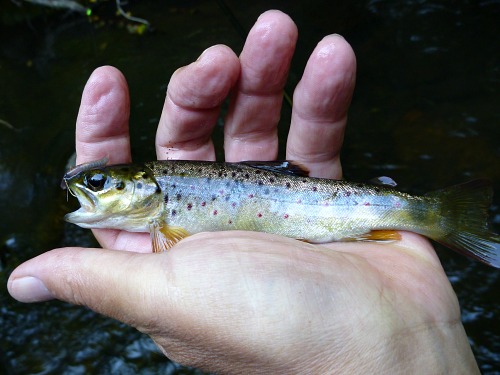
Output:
[[465, 221]]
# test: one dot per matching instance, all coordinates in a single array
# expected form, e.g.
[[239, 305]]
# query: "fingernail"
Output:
[[29, 289]]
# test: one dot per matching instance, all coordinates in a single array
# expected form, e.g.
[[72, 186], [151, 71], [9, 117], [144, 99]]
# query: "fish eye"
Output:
[[96, 181]]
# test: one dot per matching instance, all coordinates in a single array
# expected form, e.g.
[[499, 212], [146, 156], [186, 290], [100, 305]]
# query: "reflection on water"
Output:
[[425, 113]]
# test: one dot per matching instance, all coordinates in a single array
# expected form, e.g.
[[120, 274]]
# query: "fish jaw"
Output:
[[84, 218]]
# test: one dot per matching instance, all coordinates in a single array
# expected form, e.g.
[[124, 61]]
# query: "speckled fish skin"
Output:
[[174, 199], [240, 196]]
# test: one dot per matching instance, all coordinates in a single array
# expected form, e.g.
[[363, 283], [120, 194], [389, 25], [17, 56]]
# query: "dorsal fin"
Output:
[[383, 180], [280, 166]]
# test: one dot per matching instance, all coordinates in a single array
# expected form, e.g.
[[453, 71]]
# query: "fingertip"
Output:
[[194, 96], [107, 281], [28, 289], [327, 85], [205, 83], [267, 53]]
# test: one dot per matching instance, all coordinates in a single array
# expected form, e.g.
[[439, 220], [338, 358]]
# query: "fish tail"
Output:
[[464, 216]]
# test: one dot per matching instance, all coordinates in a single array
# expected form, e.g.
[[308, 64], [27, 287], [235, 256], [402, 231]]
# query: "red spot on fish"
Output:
[[259, 215], [367, 204], [285, 216], [233, 204], [397, 205], [203, 204], [215, 212], [250, 195], [189, 206], [299, 201]]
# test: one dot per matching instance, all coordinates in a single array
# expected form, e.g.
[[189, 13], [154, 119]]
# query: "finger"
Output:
[[320, 104], [102, 123], [194, 96], [87, 277], [102, 131], [250, 129]]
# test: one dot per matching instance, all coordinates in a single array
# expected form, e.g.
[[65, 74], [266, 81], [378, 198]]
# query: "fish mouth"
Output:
[[87, 213]]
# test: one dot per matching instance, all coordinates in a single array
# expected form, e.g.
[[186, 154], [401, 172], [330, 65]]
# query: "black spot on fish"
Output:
[[288, 185], [214, 197], [178, 196], [219, 174], [165, 198], [315, 188], [139, 185], [174, 212], [377, 189], [173, 186], [260, 182], [165, 171], [233, 174], [200, 170], [271, 180], [189, 206], [258, 171], [247, 176]]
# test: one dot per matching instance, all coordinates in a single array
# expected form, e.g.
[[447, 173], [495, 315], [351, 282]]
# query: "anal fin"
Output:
[[163, 237], [380, 235]]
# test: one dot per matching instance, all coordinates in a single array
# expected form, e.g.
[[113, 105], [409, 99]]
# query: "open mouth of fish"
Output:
[[87, 213]]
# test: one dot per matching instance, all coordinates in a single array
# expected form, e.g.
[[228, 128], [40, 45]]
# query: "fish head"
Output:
[[120, 196]]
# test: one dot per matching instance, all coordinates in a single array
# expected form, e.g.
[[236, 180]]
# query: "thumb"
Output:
[[118, 284]]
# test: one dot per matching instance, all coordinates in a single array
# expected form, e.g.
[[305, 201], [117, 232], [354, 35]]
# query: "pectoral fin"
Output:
[[163, 237]]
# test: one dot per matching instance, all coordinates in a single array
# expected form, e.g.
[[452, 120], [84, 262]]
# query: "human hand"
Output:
[[252, 302]]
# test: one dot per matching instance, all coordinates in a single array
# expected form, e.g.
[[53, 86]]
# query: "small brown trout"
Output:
[[173, 199]]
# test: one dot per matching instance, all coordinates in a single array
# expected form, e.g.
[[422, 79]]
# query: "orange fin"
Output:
[[163, 237], [380, 235]]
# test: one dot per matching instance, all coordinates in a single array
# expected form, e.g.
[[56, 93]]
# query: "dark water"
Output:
[[426, 112]]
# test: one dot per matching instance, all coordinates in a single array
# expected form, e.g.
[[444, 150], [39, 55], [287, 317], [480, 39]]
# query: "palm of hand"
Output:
[[235, 282]]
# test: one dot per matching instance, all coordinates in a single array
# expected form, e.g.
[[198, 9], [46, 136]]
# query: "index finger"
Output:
[[102, 122]]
